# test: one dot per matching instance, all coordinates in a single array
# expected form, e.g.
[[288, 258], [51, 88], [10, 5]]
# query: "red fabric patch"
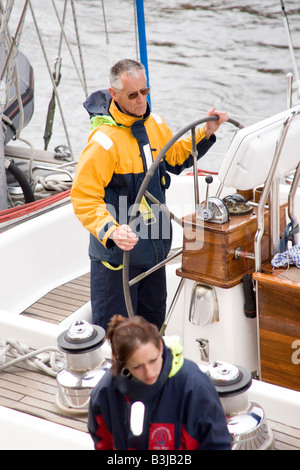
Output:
[[161, 436], [106, 438], [187, 441]]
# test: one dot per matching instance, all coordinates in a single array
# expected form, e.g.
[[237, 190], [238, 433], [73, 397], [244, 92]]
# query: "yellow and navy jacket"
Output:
[[110, 171]]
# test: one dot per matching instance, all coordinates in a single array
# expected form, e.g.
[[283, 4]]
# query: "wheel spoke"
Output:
[[155, 268], [195, 168], [164, 208]]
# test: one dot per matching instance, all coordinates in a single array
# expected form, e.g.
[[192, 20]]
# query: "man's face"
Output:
[[132, 107]]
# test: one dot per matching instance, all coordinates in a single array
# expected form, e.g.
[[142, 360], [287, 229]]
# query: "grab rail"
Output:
[[266, 192]]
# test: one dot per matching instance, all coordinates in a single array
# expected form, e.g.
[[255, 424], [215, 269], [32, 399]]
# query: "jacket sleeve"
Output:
[[179, 157], [94, 171], [206, 422], [102, 437]]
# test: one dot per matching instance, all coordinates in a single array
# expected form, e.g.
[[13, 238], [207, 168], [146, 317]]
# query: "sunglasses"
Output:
[[134, 94]]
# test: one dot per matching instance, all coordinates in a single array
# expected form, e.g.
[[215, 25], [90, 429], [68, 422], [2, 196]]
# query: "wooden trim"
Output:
[[279, 328], [210, 280], [275, 280]]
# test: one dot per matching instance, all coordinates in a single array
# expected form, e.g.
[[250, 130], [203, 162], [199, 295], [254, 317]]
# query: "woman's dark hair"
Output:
[[126, 335]]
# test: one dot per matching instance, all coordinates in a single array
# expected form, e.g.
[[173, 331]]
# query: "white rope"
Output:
[[48, 360], [52, 183], [48, 183]]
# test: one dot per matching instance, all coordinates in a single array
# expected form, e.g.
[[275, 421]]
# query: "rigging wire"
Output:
[[51, 78], [13, 49], [291, 48], [68, 45], [136, 32], [106, 33], [57, 77], [79, 48]]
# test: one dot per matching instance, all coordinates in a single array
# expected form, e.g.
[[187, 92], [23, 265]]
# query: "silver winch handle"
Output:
[[205, 213]]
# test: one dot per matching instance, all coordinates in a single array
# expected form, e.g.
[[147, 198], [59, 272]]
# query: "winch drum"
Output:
[[85, 365], [246, 421]]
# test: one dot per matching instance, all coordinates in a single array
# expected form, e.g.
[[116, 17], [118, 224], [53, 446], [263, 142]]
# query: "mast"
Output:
[[142, 38]]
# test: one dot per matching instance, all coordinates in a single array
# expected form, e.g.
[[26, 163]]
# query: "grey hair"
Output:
[[129, 66]]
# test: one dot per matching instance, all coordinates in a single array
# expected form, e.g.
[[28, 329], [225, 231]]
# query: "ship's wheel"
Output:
[[127, 283]]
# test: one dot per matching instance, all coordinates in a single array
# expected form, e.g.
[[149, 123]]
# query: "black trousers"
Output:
[[107, 298]]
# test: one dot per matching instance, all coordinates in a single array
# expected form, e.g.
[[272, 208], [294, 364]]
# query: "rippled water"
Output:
[[231, 54]]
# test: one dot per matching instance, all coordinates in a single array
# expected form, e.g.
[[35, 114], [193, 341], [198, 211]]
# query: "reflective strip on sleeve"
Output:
[[103, 140]]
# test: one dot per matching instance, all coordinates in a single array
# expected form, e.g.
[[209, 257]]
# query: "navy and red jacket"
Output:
[[182, 411]]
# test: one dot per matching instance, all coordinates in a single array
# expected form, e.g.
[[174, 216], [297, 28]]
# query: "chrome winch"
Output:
[[246, 420], [85, 365]]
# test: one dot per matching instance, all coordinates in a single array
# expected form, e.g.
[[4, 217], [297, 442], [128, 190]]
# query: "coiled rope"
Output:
[[48, 359]]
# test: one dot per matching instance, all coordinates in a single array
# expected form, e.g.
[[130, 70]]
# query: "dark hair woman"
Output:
[[178, 406]]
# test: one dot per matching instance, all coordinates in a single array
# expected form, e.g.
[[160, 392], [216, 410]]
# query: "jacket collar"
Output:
[[124, 119], [100, 103]]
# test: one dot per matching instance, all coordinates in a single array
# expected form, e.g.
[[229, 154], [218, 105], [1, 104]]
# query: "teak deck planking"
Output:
[[62, 301]]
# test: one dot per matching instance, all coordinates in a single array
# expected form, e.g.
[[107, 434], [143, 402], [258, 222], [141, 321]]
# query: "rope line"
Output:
[[48, 359]]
